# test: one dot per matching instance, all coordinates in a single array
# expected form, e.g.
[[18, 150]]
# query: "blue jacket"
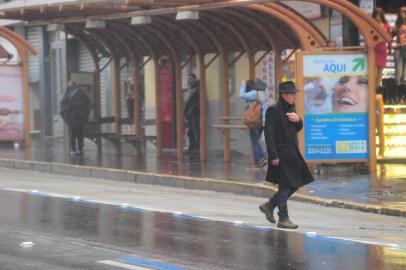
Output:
[[252, 95]]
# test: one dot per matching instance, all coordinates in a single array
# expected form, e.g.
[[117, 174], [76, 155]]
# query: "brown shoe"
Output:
[[287, 224], [268, 211]]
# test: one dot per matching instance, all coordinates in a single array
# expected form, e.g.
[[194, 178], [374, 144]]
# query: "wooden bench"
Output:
[[126, 121], [230, 117], [233, 126], [230, 126], [112, 137], [132, 139]]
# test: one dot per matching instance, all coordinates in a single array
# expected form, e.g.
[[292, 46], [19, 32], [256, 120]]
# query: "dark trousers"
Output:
[[255, 135], [280, 199], [77, 135], [130, 109], [193, 132]]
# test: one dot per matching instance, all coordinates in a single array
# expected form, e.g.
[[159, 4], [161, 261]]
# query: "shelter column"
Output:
[[226, 102], [26, 93], [203, 108], [179, 110], [372, 103], [278, 67], [117, 93], [137, 98], [158, 139], [97, 107]]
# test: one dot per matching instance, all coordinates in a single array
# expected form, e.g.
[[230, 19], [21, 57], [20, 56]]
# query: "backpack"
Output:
[[252, 117]]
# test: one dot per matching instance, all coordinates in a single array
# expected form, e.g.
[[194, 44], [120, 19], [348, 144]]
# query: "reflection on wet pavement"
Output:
[[386, 187], [190, 240]]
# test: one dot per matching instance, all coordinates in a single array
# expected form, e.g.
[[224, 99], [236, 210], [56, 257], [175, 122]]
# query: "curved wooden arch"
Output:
[[24, 49], [301, 20], [372, 32], [90, 39], [243, 40], [245, 17], [271, 40], [20, 43], [272, 29], [4, 53], [306, 38], [246, 30], [247, 48], [135, 37]]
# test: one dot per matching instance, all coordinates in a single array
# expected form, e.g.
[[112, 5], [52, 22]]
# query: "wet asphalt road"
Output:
[[77, 234]]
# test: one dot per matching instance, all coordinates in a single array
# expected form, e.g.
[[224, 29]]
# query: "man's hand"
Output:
[[293, 117], [275, 162]]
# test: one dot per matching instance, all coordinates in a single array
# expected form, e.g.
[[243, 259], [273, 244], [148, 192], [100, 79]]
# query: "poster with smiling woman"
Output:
[[335, 106]]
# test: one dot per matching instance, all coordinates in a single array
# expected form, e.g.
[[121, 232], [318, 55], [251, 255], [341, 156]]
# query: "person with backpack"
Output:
[[252, 95]]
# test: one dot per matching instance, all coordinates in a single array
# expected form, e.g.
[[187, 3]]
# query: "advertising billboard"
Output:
[[11, 103], [335, 106]]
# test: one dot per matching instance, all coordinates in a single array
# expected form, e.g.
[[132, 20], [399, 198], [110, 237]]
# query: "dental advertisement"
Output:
[[11, 103], [336, 106]]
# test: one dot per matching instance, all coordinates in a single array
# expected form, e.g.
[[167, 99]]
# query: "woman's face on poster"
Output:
[[351, 94]]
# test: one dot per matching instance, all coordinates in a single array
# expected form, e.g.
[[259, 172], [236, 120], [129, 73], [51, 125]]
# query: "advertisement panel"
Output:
[[335, 106], [11, 103], [266, 72], [166, 99]]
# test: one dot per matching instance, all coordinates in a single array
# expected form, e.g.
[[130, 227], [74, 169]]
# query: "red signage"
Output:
[[167, 117]]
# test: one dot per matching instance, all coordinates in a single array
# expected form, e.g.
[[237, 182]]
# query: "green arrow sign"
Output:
[[359, 64]]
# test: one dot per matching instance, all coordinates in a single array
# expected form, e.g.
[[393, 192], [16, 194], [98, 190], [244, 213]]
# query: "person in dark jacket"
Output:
[[287, 167], [75, 108], [192, 113]]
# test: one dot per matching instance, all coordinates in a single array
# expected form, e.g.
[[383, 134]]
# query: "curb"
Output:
[[187, 182]]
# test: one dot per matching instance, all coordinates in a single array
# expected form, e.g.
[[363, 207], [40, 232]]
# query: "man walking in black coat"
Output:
[[75, 108], [287, 167]]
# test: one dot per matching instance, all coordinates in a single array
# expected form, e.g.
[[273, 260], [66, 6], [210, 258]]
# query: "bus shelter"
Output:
[[141, 31]]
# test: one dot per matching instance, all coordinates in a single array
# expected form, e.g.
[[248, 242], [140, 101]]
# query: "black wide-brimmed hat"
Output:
[[287, 87]]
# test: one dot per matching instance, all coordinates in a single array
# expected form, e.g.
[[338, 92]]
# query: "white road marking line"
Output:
[[376, 243], [123, 265]]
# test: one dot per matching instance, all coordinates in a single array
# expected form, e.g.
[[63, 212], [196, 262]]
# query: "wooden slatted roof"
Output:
[[239, 25], [230, 21]]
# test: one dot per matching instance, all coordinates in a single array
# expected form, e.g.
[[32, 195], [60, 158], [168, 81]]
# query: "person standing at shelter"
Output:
[[192, 113], [400, 51], [381, 49], [287, 167], [75, 108], [129, 97], [250, 94]]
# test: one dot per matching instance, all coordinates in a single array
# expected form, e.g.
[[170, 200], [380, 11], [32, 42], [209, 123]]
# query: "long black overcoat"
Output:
[[75, 108], [281, 141]]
